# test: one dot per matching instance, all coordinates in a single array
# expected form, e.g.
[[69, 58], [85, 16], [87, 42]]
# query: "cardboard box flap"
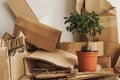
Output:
[[111, 12], [99, 6], [59, 58], [38, 34]]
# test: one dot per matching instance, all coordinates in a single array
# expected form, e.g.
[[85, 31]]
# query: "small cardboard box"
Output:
[[38, 34]]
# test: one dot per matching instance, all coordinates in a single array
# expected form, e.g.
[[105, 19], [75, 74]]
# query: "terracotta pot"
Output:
[[87, 61]]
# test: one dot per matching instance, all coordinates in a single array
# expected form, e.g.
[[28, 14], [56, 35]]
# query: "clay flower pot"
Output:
[[87, 61]]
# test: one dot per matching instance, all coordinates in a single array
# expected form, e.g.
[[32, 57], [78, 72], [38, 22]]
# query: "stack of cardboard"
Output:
[[12, 52], [43, 60], [46, 38]]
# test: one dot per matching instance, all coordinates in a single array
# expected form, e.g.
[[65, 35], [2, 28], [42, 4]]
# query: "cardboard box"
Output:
[[72, 47], [38, 34], [59, 58], [20, 8]]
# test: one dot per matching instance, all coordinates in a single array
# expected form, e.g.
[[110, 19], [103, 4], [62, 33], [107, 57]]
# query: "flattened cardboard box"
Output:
[[38, 34]]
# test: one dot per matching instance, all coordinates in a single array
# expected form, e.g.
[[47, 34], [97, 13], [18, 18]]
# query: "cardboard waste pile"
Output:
[[44, 63], [49, 61], [48, 58], [40, 64]]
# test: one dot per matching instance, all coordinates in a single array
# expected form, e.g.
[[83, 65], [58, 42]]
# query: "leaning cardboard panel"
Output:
[[20, 8], [38, 34], [76, 46]]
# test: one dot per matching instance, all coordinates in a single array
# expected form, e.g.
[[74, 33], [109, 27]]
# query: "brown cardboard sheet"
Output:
[[113, 50], [76, 46], [20, 8], [99, 6], [59, 58], [118, 62], [104, 61], [38, 34]]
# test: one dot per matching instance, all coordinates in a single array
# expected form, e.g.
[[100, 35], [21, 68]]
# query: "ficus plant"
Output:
[[87, 25]]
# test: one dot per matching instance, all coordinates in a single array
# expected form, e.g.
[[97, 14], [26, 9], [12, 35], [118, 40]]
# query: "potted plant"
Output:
[[86, 25]]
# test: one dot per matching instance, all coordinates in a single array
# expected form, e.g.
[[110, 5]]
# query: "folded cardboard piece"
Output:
[[38, 34], [58, 58], [99, 6], [72, 47]]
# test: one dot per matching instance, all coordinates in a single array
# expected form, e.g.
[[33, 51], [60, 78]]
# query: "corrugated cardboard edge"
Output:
[[20, 8]]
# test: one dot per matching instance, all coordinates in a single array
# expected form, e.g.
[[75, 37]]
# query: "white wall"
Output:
[[7, 19]]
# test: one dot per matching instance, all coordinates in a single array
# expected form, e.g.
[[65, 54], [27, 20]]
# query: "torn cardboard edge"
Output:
[[14, 44], [38, 34]]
